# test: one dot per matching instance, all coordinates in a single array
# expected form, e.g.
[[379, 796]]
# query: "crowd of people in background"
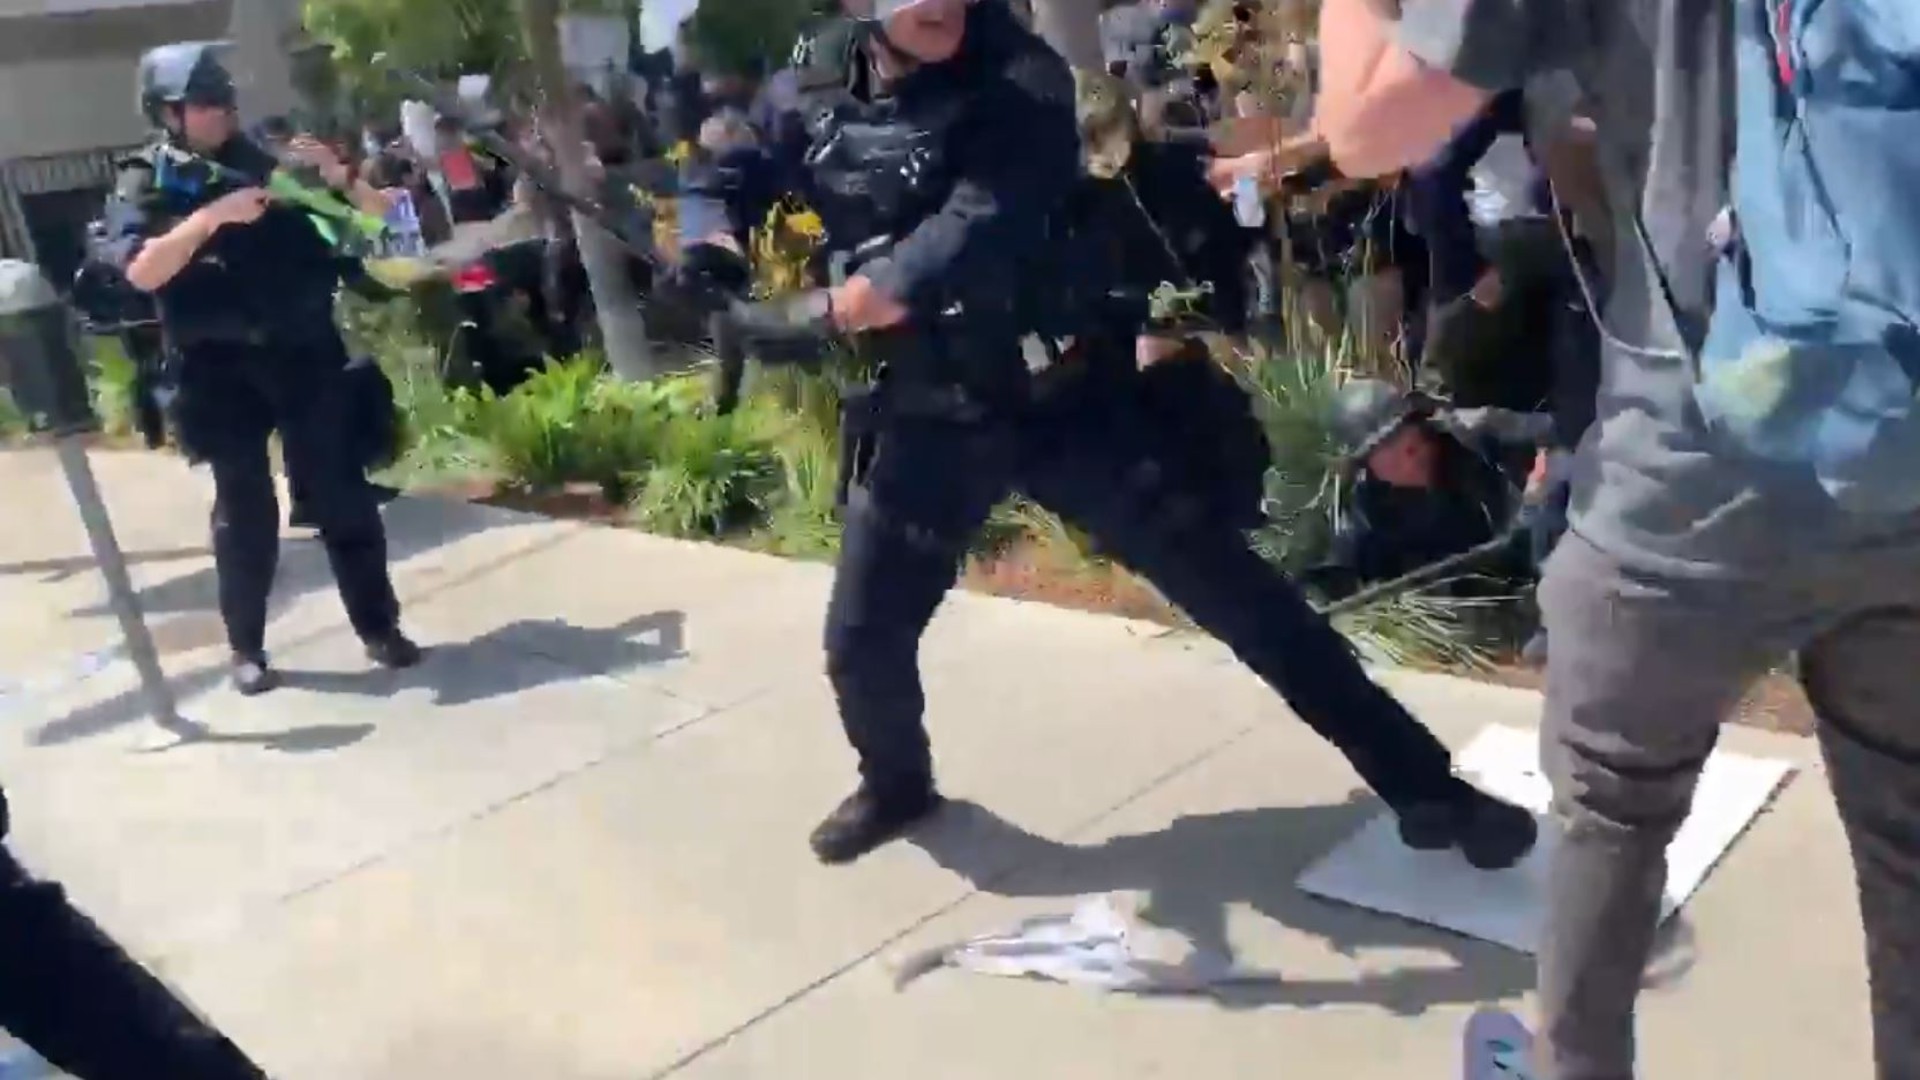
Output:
[[1464, 283]]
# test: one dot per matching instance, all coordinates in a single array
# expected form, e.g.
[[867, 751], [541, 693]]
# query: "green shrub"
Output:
[[570, 423], [536, 429], [111, 381], [803, 521], [712, 476], [1293, 393], [13, 422], [802, 420], [1019, 521]]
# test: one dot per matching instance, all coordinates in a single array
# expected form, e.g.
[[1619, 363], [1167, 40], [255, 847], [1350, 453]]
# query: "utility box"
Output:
[[41, 364]]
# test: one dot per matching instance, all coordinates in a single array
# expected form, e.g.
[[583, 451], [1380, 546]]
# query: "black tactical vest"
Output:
[[879, 163]]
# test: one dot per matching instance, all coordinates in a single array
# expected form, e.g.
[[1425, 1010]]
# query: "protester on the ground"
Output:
[[1429, 482], [1695, 561]]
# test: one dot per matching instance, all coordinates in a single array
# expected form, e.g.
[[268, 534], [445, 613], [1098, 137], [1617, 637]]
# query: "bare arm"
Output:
[[161, 259], [1380, 109], [1398, 77], [151, 262]]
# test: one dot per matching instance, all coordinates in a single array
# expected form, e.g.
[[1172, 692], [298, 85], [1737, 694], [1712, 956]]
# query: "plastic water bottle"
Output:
[[1248, 208], [405, 238]]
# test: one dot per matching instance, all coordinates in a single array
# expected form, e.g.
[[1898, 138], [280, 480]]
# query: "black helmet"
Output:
[[184, 73], [1367, 411]]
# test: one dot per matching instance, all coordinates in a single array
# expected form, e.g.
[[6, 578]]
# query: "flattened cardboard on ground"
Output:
[[1372, 870]]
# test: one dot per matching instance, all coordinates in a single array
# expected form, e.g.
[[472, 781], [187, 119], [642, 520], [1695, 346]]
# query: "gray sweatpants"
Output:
[[1641, 673]]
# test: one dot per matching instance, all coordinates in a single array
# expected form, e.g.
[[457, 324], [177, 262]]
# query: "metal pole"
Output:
[[120, 592]]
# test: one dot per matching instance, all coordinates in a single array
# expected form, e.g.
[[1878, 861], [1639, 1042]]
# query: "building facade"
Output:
[[68, 104]]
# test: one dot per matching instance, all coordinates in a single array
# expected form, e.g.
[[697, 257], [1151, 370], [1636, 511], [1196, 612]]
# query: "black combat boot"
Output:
[[253, 675], [867, 819], [393, 651], [1491, 834]]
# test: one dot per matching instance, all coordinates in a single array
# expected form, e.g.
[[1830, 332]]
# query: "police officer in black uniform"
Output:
[[245, 290], [942, 150]]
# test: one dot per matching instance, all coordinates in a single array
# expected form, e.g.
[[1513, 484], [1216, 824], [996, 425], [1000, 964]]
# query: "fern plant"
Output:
[[712, 476], [803, 521], [13, 421], [111, 383]]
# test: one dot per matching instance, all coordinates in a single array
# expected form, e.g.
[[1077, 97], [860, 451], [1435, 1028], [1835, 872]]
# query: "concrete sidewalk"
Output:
[[572, 845]]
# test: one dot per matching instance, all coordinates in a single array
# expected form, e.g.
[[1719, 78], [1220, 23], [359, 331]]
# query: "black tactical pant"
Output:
[[232, 398], [77, 998], [924, 484]]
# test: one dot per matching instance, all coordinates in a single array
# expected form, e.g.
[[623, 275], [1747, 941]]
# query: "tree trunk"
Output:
[[616, 303], [1072, 27]]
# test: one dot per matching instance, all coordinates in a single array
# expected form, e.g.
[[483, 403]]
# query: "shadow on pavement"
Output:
[[414, 527], [60, 569], [1192, 870], [515, 658], [315, 739]]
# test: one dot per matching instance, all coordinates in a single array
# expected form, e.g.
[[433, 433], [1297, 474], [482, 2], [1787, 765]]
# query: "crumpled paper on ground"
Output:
[[1104, 944]]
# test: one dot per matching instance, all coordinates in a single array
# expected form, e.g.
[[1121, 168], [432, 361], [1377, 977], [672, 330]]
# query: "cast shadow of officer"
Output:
[[415, 527], [507, 660], [520, 656], [1195, 868]]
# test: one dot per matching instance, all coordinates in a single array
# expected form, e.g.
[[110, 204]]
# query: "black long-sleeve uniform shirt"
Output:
[[1009, 146], [273, 279]]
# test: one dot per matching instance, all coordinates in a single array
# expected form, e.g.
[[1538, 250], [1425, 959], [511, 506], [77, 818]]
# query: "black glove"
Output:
[[788, 330], [714, 270]]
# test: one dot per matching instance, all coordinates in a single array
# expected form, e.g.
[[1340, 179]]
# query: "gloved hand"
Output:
[[790, 329], [711, 269]]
